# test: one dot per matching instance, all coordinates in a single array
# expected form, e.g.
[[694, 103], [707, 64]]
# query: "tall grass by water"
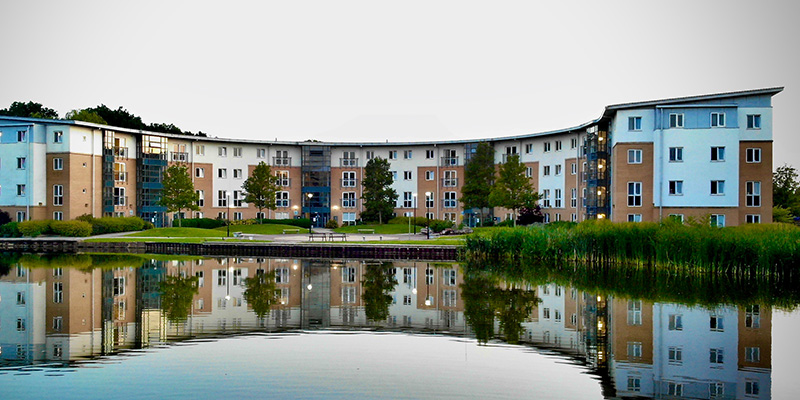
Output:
[[748, 249]]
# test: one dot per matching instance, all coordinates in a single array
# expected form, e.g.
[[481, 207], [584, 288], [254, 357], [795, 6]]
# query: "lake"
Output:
[[125, 326]]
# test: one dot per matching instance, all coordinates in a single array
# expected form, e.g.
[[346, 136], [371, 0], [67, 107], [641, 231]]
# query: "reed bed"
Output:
[[743, 250]]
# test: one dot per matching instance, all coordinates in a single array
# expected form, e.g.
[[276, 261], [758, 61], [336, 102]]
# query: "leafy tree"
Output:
[[29, 110], [119, 117], [178, 192], [176, 296], [261, 293], [260, 188], [513, 190], [786, 189], [379, 197], [377, 284], [86, 116], [478, 308], [4, 217], [478, 179], [780, 214]]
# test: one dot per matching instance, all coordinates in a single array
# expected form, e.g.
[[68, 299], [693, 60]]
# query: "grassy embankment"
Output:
[[761, 248]]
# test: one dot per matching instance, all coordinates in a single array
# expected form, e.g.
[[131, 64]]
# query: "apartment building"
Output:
[[636, 162]]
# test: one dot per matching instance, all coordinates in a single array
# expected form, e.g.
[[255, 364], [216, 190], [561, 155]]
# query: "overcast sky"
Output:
[[412, 70]]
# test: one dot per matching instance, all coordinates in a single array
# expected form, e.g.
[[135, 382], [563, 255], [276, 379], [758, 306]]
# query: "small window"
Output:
[[753, 194], [20, 190], [199, 172], [676, 154], [676, 322], [21, 162], [754, 121], [429, 154], [528, 172], [718, 220], [430, 175], [237, 151], [58, 215], [21, 136], [407, 175], [574, 168], [752, 218], [558, 145], [716, 323], [370, 155], [200, 150], [222, 173], [237, 173], [753, 155], [558, 169], [676, 120], [676, 188], [634, 194], [529, 148], [634, 217], [634, 123], [261, 153], [58, 137], [546, 147], [408, 154], [392, 154], [718, 154], [634, 156], [58, 164], [546, 170], [573, 143], [717, 188], [222, 151], [718, 120]]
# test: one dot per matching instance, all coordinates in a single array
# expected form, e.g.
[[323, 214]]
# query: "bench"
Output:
[[291, 230], [332, 236], [322, 236], [366, 231]]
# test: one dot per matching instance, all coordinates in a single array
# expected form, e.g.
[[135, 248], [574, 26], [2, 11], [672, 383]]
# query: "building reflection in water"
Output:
[[634, 347]]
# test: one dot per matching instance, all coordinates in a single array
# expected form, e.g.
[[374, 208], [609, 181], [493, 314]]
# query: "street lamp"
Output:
[[309, 195], [228, 215], [428, 214]]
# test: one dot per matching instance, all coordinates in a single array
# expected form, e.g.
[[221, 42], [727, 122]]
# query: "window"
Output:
[[676, 154], [58, 215], [261, 153], [634, 312], [222, 198], [58, 324], [753, 155], [20, 190], [238, 198], [752, 354], [751, 387], [546, 198], [675, 355], [450, 200], [717, 154], [201, 201], [282, 199], [222, 173], [119, 196], [349, 179], [634, 217], [58, 292], [557, 315], [634, 123], [430, 175], [283, 178], [237, 151], [282, 275], [407, 175], [634, 194], [715, 323], [20, 324], [634, 350], [370, 155], [754, 121], [200, 150], [546, 147], [546, 170], [407, 200], [718, 220], [558, 169], [450, 178], [449, 277], [674, 389], [119, 286], [558, 145], [752, 316], [676, 322], [394, 175], [21, 216], [753, 193], [573, 198], [58, 164], [429, 201], [574, 168], [21, 136], [392, 154], [528, 172], [222, 151], [717, 188], [573, 143], [429, 154], [237, 173], [349, 217], [200, 172], [634, 384], [20, 298], [58, 137], [718, 120], [58, 195], [715, 356], [676, 120], [557, 198], [676, 188], [407, 154], [634, 156], [752, 218], [676, 217], [528, 148], [21, 161], [349, 200], [545, 313]]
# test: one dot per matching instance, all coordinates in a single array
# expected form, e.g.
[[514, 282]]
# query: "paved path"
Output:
[[297, 238]]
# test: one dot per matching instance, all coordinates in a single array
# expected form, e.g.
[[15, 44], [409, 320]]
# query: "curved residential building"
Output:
[[689, 157]]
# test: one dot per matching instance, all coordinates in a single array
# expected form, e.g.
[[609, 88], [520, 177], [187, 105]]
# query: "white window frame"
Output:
[[199, 172], [222, 151], [718, 220], [634, 194], [717, 188], [634, 156], [58, 164], [752, 219], [282, 199], [675, 188], [718, 153], [753, 121], [676, 154], [634, 217], [676, 120], [753, 193], [717, 119], [635, 123], [222, 173], [430, 175], [58, 195], [753, 155]]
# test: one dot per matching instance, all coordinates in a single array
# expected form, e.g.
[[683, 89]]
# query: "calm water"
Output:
[[130, 327]]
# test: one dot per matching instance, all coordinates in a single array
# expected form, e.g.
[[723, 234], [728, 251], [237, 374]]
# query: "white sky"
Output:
[[413, 70]]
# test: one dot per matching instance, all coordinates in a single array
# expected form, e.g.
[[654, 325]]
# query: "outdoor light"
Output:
[[599, 192], [309, 286], [414, 290], [294, 266], [309, 195]]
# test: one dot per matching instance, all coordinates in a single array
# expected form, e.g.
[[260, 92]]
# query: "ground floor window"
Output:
[[718, 220], [58, 216], [753, 218]]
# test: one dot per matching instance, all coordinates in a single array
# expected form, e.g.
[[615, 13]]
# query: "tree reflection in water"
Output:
[[379, 281], [176, 296], [484, 300], [261, 293]]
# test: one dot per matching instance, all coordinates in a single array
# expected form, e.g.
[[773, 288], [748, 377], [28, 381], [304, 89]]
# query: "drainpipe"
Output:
[[660, 166], [28, 172], [94, 174]]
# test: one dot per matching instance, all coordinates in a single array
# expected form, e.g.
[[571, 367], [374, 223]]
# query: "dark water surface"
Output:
[[132, 327]]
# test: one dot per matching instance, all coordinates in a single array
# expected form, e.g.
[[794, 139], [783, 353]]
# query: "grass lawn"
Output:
[[179, 232], [174, 240], [384, 229], [263, 229], [448, 240]]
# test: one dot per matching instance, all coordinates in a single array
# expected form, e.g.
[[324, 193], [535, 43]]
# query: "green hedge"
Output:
[[34, 228], [10, 229], [116, 224], [71, 228]]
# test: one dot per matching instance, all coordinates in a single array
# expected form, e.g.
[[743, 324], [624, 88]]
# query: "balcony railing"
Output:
[[450, 182], [349, 182], [348, 203], [176, 156], [449, 161], [282, 161], [348, 162], [506, 156]]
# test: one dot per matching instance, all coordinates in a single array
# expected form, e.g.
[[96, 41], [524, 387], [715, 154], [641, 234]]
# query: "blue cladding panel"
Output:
[[700, 118]]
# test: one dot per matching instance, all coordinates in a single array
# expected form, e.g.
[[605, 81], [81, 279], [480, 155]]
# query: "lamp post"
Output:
[[228, 214], [427, 215], [309, 195]]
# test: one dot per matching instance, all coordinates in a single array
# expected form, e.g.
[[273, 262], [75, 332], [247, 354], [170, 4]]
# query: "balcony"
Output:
[[281, 161], [348, 162], [349, 183], [348, 203], [176, 156], [449, 161], [450, 182]]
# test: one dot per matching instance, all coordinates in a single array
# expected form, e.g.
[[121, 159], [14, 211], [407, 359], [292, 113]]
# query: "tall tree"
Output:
[[260, 188], [478, 179], [377, 285], [86, 116], [513, 190], [29, 110], [379, 197], [119, 117], [178, 192], [786, 189]]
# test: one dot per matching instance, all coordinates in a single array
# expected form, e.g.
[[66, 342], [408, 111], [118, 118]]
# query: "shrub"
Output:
[[4, 218], [508, 222], [34, 228], [85, 217], [419, 221], [71, 228], [116, 224], [10, 229], [332, 224], [438, 225], [148, 225]]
